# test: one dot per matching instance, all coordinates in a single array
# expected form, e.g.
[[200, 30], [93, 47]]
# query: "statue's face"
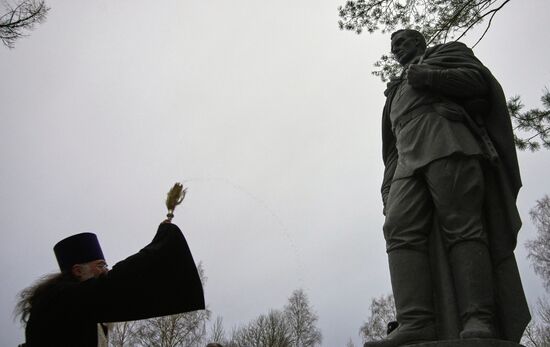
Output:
[[404, 48]]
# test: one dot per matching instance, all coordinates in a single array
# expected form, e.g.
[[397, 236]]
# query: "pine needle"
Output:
[[174, 197]]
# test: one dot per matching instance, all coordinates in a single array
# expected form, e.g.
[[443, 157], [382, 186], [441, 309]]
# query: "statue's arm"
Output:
[[461, 82], [390, 163], [389, 152], [458, 82]]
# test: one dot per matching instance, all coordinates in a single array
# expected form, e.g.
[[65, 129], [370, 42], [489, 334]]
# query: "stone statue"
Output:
[[450, 183]]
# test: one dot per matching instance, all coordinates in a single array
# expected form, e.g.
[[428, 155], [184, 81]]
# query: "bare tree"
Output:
[[301, 320], [292, 327], [267, 330], [544, 314], [186, 329], [276, 331], [537, 333], [19, 18], [539, 248], [382, 312], [245, 336], [350, 343], [233, 338], [217, 332], [123, 334]]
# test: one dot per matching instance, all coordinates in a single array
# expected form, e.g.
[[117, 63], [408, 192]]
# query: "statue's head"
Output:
[[406, 44]]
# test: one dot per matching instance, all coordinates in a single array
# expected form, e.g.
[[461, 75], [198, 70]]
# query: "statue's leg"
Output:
[[471, 266], [407, 226], [457, 188]]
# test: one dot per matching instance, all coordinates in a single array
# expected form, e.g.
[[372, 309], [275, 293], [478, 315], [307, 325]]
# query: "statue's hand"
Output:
[[418, 75]]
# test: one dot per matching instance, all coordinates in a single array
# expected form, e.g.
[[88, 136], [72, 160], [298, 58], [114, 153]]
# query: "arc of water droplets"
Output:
[[266, 207]]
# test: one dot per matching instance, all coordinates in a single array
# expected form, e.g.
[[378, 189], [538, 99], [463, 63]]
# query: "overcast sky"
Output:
[[265, 110]]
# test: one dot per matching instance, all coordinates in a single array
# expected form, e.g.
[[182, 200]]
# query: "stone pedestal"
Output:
[[468, 343]]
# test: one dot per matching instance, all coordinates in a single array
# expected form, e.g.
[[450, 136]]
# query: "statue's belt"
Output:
[[419, 111]]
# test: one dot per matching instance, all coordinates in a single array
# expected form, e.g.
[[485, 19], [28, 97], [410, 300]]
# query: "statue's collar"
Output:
[[394, 81]]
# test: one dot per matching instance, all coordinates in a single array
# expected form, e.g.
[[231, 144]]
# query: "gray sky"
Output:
[[265, 110]]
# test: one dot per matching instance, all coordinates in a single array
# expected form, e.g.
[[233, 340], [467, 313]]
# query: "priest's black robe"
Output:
[[159, 280]]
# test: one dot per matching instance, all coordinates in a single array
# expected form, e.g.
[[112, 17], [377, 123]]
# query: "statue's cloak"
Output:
[[492, 124]]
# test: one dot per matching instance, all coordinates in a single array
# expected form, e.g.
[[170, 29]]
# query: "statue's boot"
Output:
[[472, 274], [412, 291]]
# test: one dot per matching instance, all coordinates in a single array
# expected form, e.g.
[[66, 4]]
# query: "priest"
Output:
[[70, 308]]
